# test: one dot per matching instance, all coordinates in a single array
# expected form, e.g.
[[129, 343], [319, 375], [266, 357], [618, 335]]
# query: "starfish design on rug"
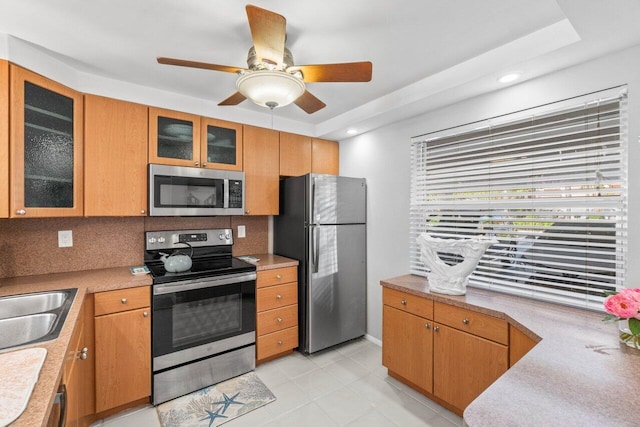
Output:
[[228, 401], [213, 415]]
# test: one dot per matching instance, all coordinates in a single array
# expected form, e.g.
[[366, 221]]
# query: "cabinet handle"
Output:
[[204, 164], [465, 321], [83, 354], [403, 302], [247, 212], [436, 328], [279, 319], [145, 314], [278, 276], [279, 342], [278, 296], [142, 211], [123, 300], [427, 325], [21, 212], [197, 163]]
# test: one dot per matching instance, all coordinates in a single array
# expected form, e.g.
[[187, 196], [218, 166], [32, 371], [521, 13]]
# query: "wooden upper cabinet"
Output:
[[46, 158], [221, 144], [325, 157], [4, 139], [295, 154], [261, 168], [174, 138], [115, 157]]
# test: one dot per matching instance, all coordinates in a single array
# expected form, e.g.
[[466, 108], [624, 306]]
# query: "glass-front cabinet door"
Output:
[[174, 138], [46, 147], [221, 145]]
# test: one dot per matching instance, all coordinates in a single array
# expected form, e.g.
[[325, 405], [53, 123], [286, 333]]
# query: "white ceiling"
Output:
[[425, 53]]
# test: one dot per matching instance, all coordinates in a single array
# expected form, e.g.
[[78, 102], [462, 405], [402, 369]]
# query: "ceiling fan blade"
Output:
[[234, 99], [345, 72], [268, 31], [309, 103], [195, 64]]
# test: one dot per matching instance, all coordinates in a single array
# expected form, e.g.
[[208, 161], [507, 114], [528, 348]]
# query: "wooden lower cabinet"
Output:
[[464, 365], [449, 353], [408, 346], [123, 348], [276, 313]]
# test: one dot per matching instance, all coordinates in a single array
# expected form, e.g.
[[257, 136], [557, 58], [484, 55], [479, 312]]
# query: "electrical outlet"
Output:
[[242, 232], [65, 239]]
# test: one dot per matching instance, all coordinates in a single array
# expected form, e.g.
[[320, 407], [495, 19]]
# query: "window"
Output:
[[549, 183]]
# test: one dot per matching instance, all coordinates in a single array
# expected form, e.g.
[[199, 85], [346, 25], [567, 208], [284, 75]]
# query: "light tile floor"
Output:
[[342, 386]]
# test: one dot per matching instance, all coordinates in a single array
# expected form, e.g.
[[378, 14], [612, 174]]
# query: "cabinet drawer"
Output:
[[277, 342], [276, 296], [277, 319], [422, 307], [277, 276], [475, 323], [122, 300]]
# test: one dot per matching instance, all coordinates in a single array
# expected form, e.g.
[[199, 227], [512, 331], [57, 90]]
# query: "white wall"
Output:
[[382, 157]]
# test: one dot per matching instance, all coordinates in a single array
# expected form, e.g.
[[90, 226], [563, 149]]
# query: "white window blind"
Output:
[[549, 183]]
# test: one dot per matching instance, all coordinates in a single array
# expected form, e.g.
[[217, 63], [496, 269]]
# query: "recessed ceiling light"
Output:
[[352, 131], [508, 78]]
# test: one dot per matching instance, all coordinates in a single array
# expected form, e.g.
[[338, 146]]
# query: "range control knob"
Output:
[[152, 240], [221, 237], [161, 240]]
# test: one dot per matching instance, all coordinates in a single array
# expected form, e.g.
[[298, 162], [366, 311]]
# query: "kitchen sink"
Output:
[[32, 318]]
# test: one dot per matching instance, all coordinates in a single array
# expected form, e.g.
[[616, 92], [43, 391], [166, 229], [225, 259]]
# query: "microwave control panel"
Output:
[[235, 194]]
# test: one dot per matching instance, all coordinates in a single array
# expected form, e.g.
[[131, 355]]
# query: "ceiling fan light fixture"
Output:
[[270, 89]]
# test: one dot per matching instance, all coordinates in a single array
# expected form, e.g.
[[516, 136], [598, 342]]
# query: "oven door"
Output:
[[200, 318]]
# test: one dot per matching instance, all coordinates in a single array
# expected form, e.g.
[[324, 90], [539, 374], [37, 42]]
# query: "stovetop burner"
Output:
[[211, 254]]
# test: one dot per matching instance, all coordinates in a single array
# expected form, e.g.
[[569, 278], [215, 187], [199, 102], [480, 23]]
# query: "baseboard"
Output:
[[372, 339]]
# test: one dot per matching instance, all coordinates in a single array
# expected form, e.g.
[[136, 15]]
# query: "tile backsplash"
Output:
[[29, 246]]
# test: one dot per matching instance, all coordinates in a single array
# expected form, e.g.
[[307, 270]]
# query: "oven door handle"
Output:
[[204, 282]]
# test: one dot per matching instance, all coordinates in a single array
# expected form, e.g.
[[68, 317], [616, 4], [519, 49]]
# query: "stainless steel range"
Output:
[[203, 324]]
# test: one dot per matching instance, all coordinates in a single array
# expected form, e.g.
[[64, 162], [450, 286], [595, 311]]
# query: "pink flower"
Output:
[[624, 304], [632, 294]]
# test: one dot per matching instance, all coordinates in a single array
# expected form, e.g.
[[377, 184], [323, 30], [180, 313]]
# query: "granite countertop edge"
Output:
[[87, 281], [577, 374]]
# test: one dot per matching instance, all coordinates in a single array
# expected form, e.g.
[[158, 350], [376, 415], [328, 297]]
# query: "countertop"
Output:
[[37, 411], [578, 374], [272, 261], [89, 281]]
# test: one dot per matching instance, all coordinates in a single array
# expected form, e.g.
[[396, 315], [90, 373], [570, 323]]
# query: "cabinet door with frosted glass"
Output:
[[221, 145], [174, 138], [46, 147]]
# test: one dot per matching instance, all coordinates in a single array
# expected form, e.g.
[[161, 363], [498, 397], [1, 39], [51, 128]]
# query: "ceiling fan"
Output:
[[271, 79]]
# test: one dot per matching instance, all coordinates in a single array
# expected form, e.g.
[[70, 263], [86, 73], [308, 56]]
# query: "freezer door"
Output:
[[336, 285], [336, 200]]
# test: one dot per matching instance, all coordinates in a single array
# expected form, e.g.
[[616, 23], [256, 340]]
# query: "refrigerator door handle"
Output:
[[315, 245], [313, 201]]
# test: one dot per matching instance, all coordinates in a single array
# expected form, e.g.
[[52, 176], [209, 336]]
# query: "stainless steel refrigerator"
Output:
[[322, 224]]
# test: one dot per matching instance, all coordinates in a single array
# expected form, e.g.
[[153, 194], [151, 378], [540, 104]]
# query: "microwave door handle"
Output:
[[226, 193]]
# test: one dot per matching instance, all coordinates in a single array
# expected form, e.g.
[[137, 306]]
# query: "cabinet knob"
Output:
[[204, 164], [196, 163], [279, 319], [142, 211], [403, 302], [465, 321], [247, 212], [279, 342], [123, 300], [83, 354], [278, 276], [21, 212], [278, 296], [436, 328], [427, 325], [145, 314]]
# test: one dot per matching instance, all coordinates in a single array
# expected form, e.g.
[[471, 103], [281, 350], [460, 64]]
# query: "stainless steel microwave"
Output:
[[185, 191]]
